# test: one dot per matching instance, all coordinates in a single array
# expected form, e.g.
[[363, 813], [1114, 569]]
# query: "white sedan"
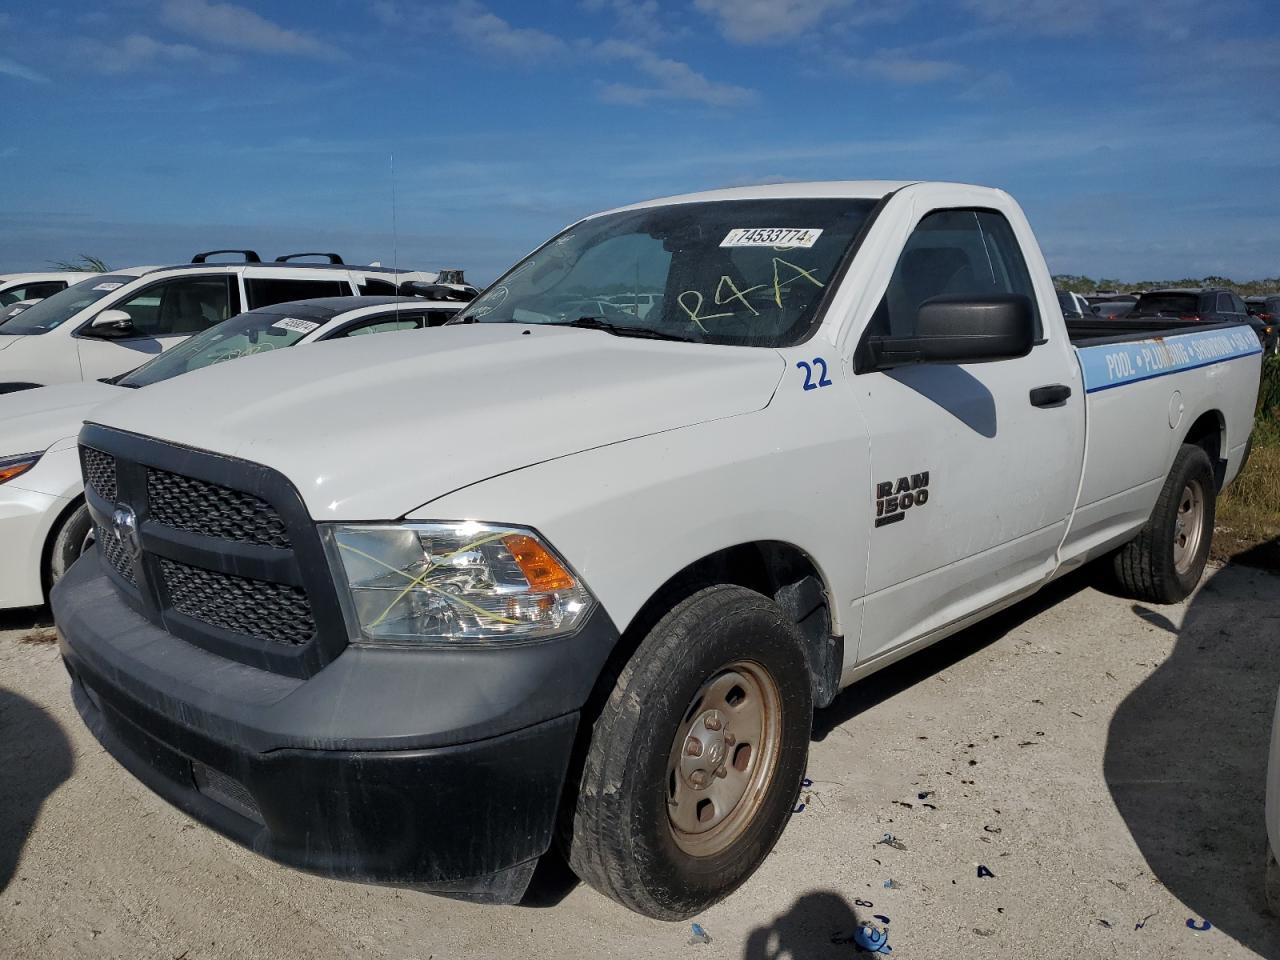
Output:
[[44, 524]]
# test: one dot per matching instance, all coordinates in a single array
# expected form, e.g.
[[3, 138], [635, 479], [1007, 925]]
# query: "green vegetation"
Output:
[[84, 265], [1088, 285], [1249, 509]]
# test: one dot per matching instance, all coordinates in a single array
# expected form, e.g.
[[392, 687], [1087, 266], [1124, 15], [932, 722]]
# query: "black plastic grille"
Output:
[[100, 473], [226, 790], [270, 611], [213, 510], [114, 553]]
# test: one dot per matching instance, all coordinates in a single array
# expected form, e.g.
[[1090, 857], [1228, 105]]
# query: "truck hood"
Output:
[[32, 420], [371, 428], [8, 340]]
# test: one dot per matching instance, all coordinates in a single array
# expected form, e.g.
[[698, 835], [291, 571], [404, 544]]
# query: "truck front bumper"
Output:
[[467, 819]]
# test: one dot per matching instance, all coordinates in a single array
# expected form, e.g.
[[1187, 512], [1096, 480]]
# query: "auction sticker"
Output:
[[771, 237], [293, 323], [109, 286]]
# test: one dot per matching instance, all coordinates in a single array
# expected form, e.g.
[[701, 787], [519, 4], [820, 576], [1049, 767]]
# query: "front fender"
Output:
[[630, 516]]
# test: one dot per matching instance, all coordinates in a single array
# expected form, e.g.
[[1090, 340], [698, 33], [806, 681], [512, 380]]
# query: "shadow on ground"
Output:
[[35, 757], [919, 666], [26, 618], [1186, 756], [819, 924]]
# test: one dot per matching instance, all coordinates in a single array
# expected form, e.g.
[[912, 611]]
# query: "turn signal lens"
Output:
[[539, 567], [11, 467]]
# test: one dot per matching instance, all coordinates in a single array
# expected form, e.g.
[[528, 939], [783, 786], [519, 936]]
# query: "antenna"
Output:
[[395, 235]]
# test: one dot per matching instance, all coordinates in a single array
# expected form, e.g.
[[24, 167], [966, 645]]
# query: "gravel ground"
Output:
[[1104, 761]]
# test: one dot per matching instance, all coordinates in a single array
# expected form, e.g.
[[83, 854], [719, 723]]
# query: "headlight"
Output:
[[11, 467], [460, 582]]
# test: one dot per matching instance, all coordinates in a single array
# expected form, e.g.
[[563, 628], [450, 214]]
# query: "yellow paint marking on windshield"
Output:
[[737, 294], [693, 313], [800, 272]]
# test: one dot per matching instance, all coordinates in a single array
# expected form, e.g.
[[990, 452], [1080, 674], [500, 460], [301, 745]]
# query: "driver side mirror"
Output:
[[111, 324], [961, 329]]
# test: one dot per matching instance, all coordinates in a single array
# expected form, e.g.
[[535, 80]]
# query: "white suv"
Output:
[[110, 323]]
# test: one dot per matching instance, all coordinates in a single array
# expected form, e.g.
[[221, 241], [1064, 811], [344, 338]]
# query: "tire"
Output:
[[716, 653], [70, 537], [1271, 882], [1164, 562]]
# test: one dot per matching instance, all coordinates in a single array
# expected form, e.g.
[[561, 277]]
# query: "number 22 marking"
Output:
[[823, 379]]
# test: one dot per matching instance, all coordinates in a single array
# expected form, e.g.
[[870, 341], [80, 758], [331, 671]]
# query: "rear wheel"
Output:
[[1164, 562], [72, 536], [695, 761]]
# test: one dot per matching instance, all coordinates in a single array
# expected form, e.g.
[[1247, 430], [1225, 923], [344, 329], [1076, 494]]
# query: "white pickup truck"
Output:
[[408, 610]]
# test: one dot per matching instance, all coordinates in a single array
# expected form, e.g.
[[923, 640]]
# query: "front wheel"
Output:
[[696, 760], [1164, 562], [72, 536]]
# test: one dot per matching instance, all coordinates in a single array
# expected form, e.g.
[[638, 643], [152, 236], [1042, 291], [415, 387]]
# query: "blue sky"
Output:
[[1143, 138]]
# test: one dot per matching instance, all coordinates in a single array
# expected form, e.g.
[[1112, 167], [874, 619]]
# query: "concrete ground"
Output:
[[1104, 761]]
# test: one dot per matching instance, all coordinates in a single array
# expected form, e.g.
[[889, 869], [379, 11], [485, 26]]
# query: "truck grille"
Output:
[[272, 611], [100, 472], [253, 585], [213, 510], [115, 554]]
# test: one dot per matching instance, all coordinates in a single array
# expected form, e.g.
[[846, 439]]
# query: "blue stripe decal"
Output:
[[1116, 364]]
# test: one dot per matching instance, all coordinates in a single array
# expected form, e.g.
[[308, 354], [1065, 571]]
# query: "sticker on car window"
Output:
[[293, 323], [109, 286], [772, 237]]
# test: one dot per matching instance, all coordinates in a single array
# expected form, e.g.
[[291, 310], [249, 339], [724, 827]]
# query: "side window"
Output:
[[1238, 305], [31, 291], [437, 318], [264, 291], [1224, 303], [179, 307], [376, 288], [385, 324], [953, 253]]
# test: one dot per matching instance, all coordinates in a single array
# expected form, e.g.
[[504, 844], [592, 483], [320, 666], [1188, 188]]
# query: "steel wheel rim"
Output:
[[723, 758], [1188, 526]]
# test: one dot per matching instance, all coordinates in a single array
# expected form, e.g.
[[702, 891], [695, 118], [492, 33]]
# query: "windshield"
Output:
[[241, 336], [743, 272], [1177, 304], [54, 311]]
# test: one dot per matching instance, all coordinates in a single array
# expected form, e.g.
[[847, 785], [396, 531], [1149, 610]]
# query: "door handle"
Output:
[[1050, 396]]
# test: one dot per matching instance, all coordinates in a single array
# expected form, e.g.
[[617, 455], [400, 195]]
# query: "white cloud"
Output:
[[671, 79], [238, 27], [486, 31], [139, 52], [903, 69], [1168, 19], [11, 68], [765, 21], [637, 19]]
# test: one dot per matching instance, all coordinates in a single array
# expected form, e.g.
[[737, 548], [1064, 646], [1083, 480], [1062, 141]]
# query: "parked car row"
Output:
[[1195, 304], [576, 567], [107, 324]]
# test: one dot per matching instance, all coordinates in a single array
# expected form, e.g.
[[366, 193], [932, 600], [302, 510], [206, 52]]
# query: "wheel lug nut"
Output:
[[698, 778], [713, 723], [721, 771], [693, 747], [729, 739]]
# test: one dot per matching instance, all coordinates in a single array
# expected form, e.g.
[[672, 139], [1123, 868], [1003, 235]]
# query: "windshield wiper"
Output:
[[622, 330]]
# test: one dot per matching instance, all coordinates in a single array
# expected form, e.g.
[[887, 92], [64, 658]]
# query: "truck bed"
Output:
[[1092, 333]]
